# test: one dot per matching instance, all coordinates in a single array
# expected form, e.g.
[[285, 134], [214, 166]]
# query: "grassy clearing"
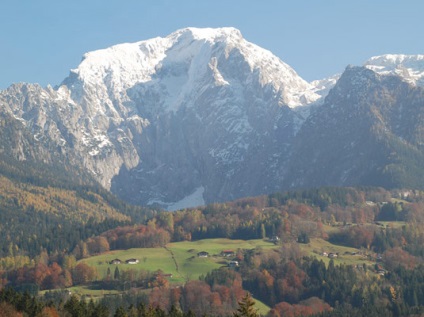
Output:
[[181, 254], [262, 308], [317, 246], [91, 293], [179, 259], [215, 246], [150, 259], [330, 229], [190, 266], [393, 224]]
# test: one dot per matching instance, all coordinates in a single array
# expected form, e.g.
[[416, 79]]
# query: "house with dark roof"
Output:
[[131, 261]]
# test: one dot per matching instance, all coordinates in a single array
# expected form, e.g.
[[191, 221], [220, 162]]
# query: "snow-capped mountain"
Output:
[[184, 58], [408, 67], [174, 118], [201, 115]]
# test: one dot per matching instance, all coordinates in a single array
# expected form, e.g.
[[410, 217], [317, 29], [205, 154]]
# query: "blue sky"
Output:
[[42, 40]]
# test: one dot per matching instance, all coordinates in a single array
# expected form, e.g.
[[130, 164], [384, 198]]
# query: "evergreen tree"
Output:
[[263, 231], [100, 311], [73, 307], [120, 312], [246, 307], [116, 274]]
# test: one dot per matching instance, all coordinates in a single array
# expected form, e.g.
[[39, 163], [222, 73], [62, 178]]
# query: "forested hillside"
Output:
[[51, 207], [335, 251]]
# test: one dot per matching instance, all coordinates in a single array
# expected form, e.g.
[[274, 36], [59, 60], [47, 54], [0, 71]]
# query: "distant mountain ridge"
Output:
[[203, 115], [367, 132], [409, 67]]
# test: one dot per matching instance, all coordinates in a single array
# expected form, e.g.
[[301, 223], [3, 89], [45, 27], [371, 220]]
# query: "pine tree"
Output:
[[120, 312], [116, 274], [101, 311], [246, 307]]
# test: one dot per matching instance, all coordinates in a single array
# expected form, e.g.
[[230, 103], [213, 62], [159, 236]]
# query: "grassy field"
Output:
[[317, 246], [262, 308], [180, 259], [150, 259], [91, 293], [393, 224], [190, 266]]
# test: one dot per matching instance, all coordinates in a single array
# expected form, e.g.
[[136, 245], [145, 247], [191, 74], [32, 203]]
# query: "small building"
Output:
[[131, 261], [115, 261], [227, 253], [233, 264], [332, 255], [203, 254], [380, 270], [274, 239]]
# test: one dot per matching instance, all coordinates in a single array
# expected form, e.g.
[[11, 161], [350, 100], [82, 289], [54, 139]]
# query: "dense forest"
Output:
[[52, 207], [384, 227], [14, 304]]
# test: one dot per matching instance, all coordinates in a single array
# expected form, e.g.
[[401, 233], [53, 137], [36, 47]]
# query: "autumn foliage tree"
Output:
[[139, 236], [83, 273], [398, 257], [311, 306], [7, 310]]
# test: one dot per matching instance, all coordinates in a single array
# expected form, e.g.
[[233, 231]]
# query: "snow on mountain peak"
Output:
[[409, 67], [124, 65], [209, 34], [109, 73]]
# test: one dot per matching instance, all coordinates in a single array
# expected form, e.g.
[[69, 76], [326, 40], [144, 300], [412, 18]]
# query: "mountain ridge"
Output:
[[201, 115]]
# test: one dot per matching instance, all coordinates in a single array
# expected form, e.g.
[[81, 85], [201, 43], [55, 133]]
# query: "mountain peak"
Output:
[[184, 60], [141, 58], [178, 120], [208, 34], [408, 67]]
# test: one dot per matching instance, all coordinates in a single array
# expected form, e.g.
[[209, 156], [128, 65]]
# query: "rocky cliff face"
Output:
[[203, 115], [63, 127], [367, 132]]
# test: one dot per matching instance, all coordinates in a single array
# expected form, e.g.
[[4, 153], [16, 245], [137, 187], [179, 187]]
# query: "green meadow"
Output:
[[317, 246], [150, 259], [179, 259]]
